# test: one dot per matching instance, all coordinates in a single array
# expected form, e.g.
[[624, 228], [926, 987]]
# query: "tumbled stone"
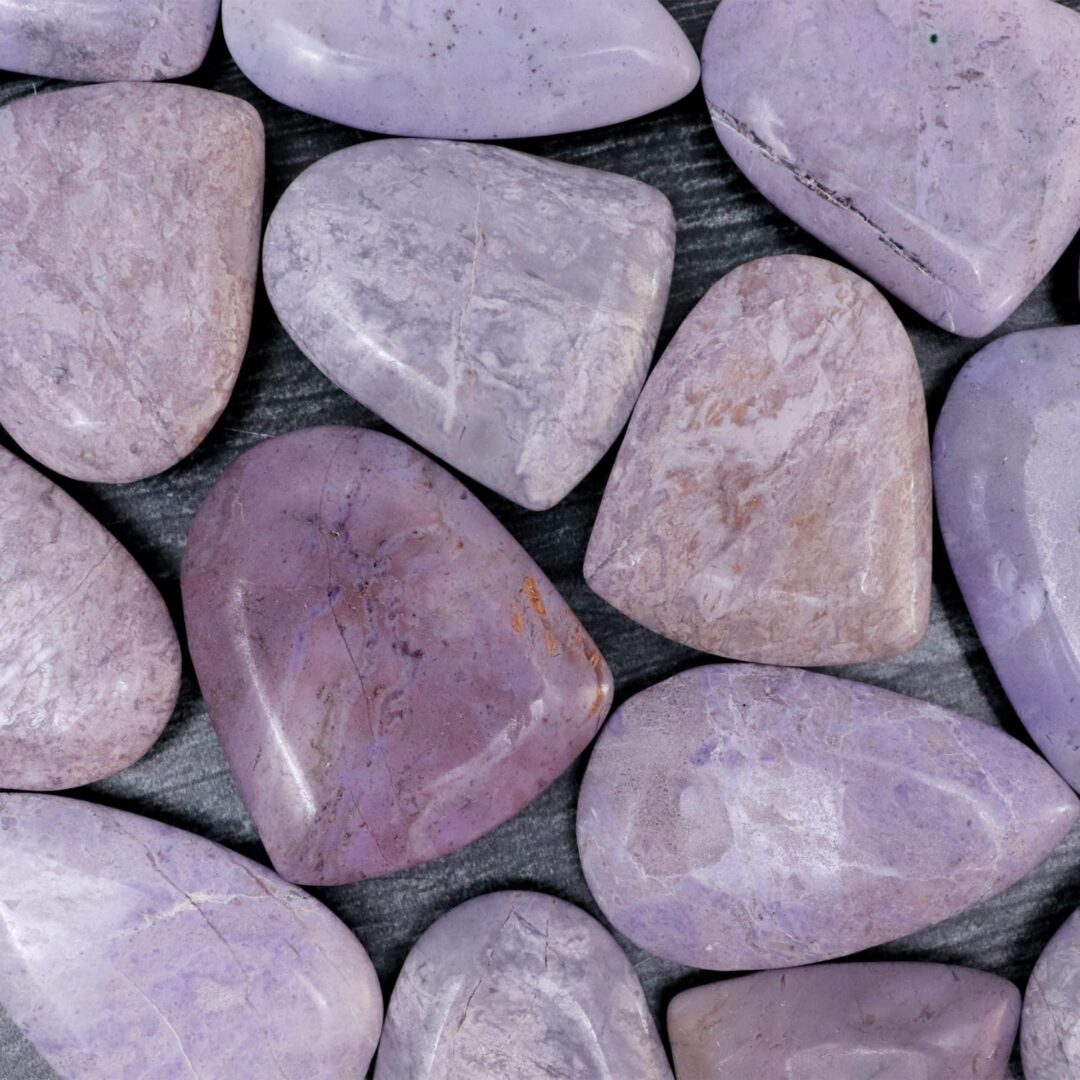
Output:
[[1050, 1033], [518, 986], [390, 674], [133, 949], [500, 309], [89, 661], [738, 817], [470, 69], [933, 145], [847, 1022], [107, 40], [1009, 507], [129, 238], [771, 501]]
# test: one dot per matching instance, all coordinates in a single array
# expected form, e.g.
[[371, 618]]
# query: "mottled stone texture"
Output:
[[739, 817], [519, 986], [771, 501], [134, 950], [89, 661], [1008, 498], [500, 309], [932, 144], [389, 672], [847, 1022], [129, 239], [106, 40], [1050, 1035]]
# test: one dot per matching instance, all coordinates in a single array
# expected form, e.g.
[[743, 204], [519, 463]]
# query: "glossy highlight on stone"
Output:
[[1050, 1032], [1009, 506], [89, 661], [738, 817], [390, 674], [771, 501], [133, 949], [933, 145], [129, 237], [469, 69], [518, 986]]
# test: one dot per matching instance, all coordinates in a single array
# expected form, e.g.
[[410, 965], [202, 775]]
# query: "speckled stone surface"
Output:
[[518, 986], [129, 238], [771, 501], [500, 309], [738, 817], [1008, 501], [847, 1022], [934, 145], [133, 950], [1050, 1033], [390, 674], [468, 69], [106, 40], [89, 661]]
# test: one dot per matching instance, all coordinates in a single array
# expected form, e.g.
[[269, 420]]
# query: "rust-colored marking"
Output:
[[551, 641], [594, 659], [533, 593], [518, 623]]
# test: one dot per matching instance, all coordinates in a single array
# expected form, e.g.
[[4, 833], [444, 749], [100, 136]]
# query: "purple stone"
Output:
[[739, 817], [1050, 1034], [470, 69], [933, 145], [518, 986], [89, 661], [390, 674], [500, 309], [847, 1022], [133, 949]]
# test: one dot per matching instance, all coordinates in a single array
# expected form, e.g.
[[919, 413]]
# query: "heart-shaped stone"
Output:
[[771, 500], [129, 240], [390, 674], [89, 661], [738, 817], [935, 145], [1050, 1033], [469, 69], [500, 309], [133, 949], [518, 986]]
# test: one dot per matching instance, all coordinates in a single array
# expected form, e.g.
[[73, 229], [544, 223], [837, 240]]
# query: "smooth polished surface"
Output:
[[934, 145], [500, 309], [469, 69], [89, 661], [134, 950], [1050, 1034], [129, 238], [739, 817], [518, 986], [771, 500]]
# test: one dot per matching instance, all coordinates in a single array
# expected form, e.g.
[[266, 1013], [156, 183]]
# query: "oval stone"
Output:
[[89, 661], [738, 817], [390, 674], [518, 986], [1050, 1033], [500, 309]]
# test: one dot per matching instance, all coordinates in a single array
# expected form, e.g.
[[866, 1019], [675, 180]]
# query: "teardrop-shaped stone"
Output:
[[129, 240], [468, 69], [133, 949], [89, 661], [771, 501], [390, 674], [500, 309], [1050, 1033], [738, 817], [518, 986]]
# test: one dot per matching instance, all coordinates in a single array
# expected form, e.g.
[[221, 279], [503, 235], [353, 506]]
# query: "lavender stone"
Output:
[[1050, 1034]]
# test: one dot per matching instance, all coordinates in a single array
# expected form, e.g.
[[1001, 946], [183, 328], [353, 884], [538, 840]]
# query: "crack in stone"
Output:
[[164, 1019]]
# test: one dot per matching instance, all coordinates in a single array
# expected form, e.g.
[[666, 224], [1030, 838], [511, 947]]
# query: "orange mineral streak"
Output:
[[533, 593], [518, 623]]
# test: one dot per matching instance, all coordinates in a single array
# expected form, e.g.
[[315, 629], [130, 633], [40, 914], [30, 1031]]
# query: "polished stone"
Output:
[[518, 986], [500, 309], [469, 69], [933, 145], [89, 661], [738, 817], [390, 674], [1050, 1033], [771, 500], [134, 950], [129, 236]]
